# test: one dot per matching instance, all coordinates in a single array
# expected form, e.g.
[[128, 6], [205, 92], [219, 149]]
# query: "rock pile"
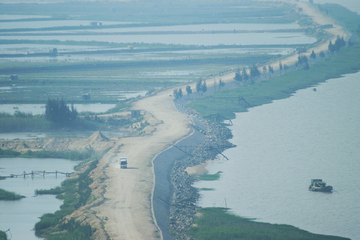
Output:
[[183, 208]]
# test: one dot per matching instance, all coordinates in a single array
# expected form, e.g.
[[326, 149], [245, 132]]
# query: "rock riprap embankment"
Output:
[[183, 208]]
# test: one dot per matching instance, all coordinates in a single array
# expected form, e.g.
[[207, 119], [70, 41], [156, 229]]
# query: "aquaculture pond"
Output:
[[20, 216]]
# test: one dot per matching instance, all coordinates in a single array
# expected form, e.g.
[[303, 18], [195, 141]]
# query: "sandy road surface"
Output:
[[128, 207]]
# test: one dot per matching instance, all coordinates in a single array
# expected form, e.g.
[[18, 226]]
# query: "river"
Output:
[[283, 145]]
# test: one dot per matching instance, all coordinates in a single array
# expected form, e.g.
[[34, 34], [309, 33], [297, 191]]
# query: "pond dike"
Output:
[[174, 198]]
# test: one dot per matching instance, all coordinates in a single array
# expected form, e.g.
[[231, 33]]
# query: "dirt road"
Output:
[[127, 209]]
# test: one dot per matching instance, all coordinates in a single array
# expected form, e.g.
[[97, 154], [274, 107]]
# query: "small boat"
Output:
[[317, 185]]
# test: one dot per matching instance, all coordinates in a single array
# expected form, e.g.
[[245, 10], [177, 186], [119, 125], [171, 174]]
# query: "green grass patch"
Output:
[[72, 155], [210, 177], [3, 235], [52, 191], [207, 189], [218, 224], [6, 195]]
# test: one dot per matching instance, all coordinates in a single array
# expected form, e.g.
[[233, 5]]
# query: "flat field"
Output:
[[47, 67]]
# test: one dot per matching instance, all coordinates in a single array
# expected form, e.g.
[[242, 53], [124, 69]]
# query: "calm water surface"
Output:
[[52, 23], [203, 27], [22, 215], [268, 38], [283, 145]]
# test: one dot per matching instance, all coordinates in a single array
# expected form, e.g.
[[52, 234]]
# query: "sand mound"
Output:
[[97, 137]]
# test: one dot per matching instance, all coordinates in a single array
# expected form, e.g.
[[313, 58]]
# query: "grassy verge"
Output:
[[226, 103], [6, 195], [216, 223], [76, 192]]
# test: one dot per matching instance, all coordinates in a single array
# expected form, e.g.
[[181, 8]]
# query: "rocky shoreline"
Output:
[[183, 207]]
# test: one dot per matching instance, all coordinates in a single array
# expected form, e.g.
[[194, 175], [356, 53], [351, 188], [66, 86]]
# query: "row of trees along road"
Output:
[[200, 87], [59, 113]]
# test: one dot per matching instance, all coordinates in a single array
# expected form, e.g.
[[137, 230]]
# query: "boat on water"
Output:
[[317, 185]]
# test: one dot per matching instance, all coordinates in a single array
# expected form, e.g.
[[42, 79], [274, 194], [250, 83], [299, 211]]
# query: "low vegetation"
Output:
[[27, 122], [210, 177], [23, 122], [52, 191], [6, 195], [218, 224], [72, 155], [226, 103], [207, 189], [75, 192], [3, 235]]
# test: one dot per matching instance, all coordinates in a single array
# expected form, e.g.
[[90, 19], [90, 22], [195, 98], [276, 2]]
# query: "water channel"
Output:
[[283, 145]]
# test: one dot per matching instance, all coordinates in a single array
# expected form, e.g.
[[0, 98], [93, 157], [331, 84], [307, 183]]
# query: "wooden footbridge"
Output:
[[35, 173]]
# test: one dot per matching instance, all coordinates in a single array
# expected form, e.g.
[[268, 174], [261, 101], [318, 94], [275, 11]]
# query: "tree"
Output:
[[245, 75], [264, 69], [175, 93], [198, 86], [59, 113], [178, 93], [306, 66], [339, 43], [204, 87], [53, 52], [286, 67], [322, 54], [238, 77], [221, 84], [280, 66], [188, 90], [254, 72], [271, 70], [331, 47], [302, 59], [313, 55]]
